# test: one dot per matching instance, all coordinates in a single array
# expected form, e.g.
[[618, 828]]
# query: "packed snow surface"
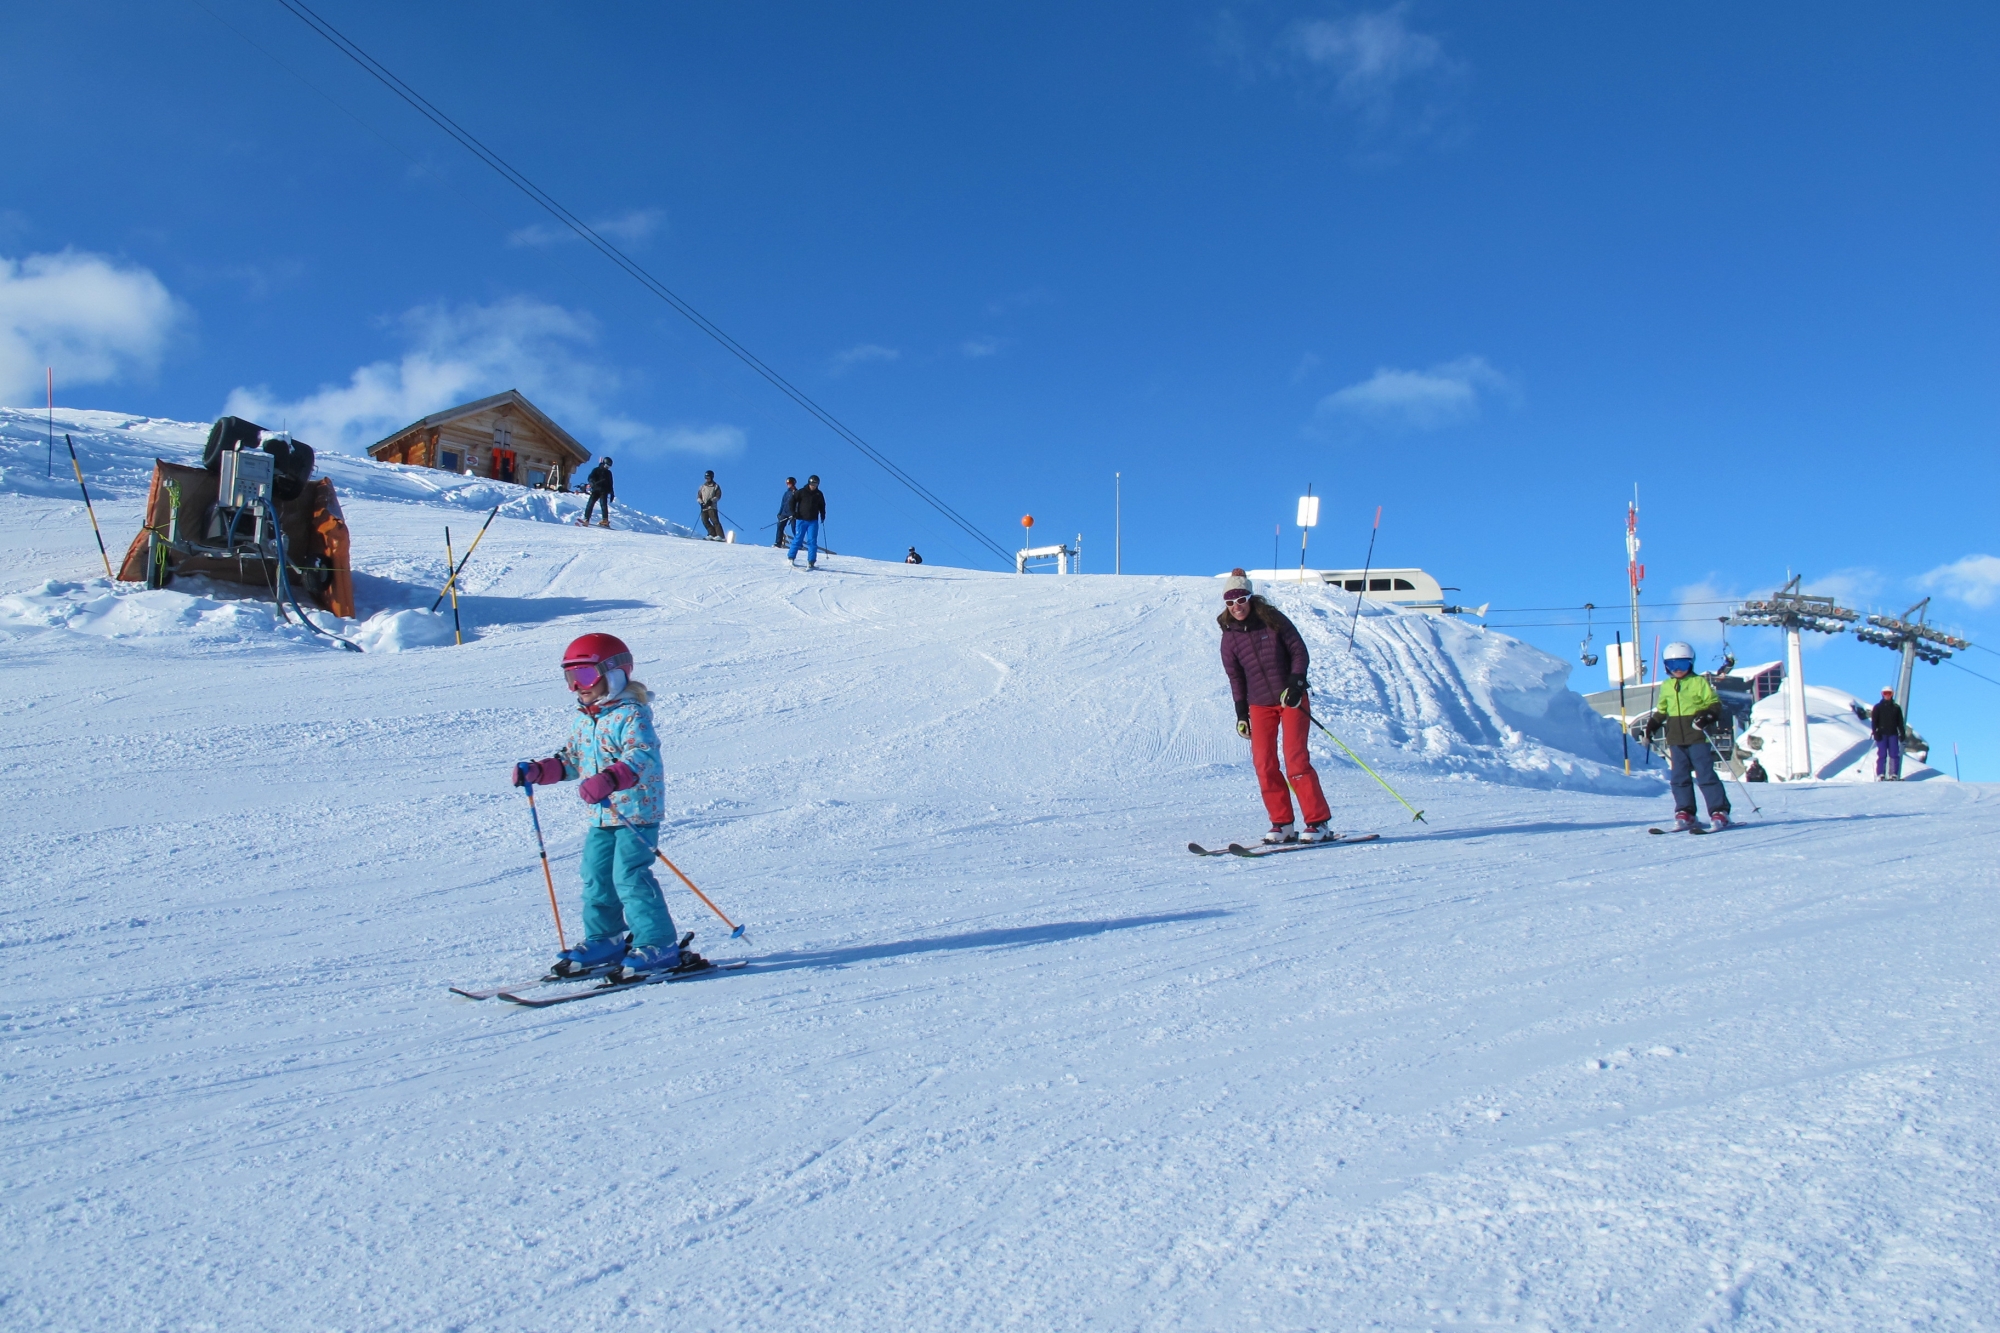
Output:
[[1005, 1054]]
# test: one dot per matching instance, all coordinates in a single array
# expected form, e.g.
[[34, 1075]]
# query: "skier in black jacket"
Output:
[[599, 484], [808, 512], [1886, 721], [785, 510]]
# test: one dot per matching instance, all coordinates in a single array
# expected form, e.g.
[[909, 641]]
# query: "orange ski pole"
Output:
[[735, 931], [529, 788]]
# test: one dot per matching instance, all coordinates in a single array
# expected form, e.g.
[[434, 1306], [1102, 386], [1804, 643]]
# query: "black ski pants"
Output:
[[1691, 766], [597, 498]]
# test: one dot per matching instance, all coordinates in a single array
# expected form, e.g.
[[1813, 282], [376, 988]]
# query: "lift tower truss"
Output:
[[1910, 636], [1794, 611]]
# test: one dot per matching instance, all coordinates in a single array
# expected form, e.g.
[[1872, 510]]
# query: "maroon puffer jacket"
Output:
[[1261, 653]]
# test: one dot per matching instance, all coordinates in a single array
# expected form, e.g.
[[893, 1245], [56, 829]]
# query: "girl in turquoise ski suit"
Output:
[[614, 749]]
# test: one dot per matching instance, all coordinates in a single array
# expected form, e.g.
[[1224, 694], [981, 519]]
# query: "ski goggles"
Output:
[[1679, 664], [1234, 595], [582, 677]]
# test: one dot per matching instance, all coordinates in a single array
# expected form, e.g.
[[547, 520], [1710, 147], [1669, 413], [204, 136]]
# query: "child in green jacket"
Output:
[[1682, 705]]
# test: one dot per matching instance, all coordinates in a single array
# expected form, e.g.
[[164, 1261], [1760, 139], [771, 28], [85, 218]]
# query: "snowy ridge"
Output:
[[1842, 741], [117, 453]]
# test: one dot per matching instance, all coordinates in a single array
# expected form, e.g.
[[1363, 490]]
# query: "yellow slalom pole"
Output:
[[1369, 771], [87, 508], [452, 584]]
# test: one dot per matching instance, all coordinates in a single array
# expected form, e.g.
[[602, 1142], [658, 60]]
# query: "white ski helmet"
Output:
[[1678, 652]]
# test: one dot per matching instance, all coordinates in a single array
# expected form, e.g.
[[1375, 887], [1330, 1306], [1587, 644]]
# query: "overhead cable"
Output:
[[632, 268]]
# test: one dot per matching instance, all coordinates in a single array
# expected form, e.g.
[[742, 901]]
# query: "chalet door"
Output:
[[503, 465]]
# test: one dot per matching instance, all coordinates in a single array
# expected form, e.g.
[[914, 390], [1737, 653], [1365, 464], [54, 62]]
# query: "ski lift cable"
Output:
[[381, 73], [1970, 672]]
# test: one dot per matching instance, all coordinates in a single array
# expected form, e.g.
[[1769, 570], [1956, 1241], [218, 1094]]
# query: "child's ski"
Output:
[[1693, 828], [548, 979], [536, 1001]]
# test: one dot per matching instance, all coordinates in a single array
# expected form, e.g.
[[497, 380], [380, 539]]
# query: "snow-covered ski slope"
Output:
[[1005, 1055]]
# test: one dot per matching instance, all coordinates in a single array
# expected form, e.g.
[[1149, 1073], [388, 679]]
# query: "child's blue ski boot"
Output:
[[590, 956]]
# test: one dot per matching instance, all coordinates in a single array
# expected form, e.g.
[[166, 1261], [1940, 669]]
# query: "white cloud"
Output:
[[1974, 580], [458, 353], [979, 347], [91, 319], [1370, 60], [1308, 363], [1444, 395], [862, 355], [629, 228]]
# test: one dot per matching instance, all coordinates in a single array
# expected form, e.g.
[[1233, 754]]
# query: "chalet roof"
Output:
[[509, 398]]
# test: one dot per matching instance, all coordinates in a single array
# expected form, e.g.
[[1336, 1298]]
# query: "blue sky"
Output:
[[1485, 266]]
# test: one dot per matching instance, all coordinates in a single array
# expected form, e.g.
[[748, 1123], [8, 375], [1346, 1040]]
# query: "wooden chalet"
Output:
[[504, 437]]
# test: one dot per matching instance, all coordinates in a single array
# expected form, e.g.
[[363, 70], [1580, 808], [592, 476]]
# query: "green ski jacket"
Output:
[[1680, 701]]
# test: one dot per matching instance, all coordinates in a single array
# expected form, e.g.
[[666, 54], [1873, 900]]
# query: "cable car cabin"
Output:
[[1400, 587], [217, 521], [503, 438]]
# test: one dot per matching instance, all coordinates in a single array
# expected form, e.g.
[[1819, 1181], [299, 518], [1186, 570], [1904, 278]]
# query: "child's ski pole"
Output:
[[1364, 768], [87, 507], [549, 878], [735, 931], [452, 582]]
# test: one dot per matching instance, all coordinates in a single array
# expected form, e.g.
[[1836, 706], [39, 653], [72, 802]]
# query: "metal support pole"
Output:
[[1798, 745]]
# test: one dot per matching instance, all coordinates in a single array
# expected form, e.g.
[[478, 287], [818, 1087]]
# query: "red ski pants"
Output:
[[1264, 725]]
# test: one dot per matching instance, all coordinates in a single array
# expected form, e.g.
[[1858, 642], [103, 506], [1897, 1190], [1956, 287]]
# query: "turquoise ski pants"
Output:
[[619, 891]]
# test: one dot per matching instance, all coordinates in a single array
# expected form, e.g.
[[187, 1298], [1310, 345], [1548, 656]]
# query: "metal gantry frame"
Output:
[[1910, 636], [1794, 611]]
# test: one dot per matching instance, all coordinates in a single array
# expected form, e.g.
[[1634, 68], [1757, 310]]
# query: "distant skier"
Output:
[[1266, 661], [785, 510], [1682, 706], [1755, 773], [613, 747], [1886, 721], [709, 496], [808, 512], [598, 483], [913, 558]]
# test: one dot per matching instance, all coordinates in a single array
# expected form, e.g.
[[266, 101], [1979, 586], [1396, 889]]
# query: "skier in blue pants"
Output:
[[613, 747], [808, 509]]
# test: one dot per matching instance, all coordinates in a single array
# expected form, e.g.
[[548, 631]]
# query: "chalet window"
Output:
[[1378, 585], [1404, 585], [1352, 585], [450, 461], [538, 477]]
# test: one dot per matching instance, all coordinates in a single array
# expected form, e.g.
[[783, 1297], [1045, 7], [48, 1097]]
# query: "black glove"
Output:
[[1294, 692], [1243, 718]]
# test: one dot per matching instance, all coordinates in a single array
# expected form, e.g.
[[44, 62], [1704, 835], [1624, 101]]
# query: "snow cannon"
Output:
[[250, 513]]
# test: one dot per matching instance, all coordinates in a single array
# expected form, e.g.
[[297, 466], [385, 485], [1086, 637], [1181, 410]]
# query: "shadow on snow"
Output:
[[1013, 938]]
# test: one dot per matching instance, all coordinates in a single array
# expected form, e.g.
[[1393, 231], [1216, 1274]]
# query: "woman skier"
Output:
[[613, 747], [1266, 661], [1682, 706]]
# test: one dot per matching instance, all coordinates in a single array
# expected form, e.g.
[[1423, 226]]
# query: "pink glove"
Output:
[[540, 772], [597, 788]]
